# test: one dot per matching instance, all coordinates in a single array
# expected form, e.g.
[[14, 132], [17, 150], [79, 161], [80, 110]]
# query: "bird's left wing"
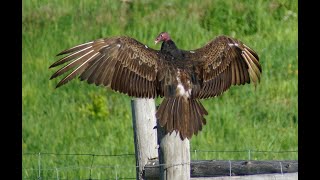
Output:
[[120, 63]]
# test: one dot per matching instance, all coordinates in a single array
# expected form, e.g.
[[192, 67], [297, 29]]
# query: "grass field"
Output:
[[84, 119]]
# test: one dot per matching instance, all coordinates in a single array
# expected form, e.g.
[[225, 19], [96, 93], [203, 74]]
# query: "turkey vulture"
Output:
[[182, 77]]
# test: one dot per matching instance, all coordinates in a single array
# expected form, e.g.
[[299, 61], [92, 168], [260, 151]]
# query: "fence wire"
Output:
[[57, 170]]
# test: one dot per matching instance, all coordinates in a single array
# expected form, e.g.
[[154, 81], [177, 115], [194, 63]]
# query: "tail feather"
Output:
[[177, 113], [192, 122], [168, 115], [201, 111], [181, 114], [162, 115], [197, 117], [185, 121]]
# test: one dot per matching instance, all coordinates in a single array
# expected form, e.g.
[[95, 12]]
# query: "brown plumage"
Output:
[[181, 77]]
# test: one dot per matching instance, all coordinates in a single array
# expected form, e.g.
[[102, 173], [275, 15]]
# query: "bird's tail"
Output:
[[182, 114]]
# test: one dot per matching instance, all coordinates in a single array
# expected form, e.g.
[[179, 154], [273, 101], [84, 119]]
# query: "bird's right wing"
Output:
[[224, 62], [121, 63]]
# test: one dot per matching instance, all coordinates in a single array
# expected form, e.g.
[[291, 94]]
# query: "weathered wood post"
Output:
[[174, 156], [225, 168], [145, 135]]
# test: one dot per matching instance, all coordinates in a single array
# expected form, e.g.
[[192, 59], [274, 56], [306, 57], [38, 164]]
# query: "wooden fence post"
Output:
[[145, 135], [174, 156]]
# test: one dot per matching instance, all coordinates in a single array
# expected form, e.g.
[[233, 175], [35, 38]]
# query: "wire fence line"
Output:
[[132, 154], [77, 154], [249, 151], [57, 170]]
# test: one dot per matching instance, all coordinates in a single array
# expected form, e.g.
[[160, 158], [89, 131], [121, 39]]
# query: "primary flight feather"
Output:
[[181, 77]]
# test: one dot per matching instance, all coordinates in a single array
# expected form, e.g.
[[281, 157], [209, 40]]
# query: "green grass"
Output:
[[82, 118]]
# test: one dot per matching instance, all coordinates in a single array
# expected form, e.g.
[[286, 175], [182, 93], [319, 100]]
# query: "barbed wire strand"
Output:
[[93, 155], [77, 154], [239, 151], [26, 178], [91, 167], [132, 154], [79, 167], [115, 167]]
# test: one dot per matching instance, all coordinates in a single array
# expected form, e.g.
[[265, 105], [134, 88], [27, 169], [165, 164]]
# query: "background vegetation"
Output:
[[80, 118]]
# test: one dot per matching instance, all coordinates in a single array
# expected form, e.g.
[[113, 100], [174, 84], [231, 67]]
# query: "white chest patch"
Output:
[[180, 88], [182, 91], [119, 45]]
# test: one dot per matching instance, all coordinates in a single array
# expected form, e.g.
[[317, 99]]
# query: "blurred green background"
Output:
[[85, 119]]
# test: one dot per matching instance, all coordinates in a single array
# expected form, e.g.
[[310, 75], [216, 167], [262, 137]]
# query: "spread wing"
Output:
[[121, 63], [224, 62]]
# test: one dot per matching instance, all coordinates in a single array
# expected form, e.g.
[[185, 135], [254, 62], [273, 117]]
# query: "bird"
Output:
[[180, 77]]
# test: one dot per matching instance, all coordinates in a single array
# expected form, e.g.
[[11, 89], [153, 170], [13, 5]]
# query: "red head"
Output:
[[164, 36]]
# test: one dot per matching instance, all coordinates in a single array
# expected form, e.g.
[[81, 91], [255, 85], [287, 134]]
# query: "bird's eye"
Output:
[[160, 35]]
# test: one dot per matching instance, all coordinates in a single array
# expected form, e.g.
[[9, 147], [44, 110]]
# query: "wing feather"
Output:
[[241, 72], [90, 71], [223, 62], [70, 57], [115, 78], [113, 62], [77, 70], [76, 48]]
